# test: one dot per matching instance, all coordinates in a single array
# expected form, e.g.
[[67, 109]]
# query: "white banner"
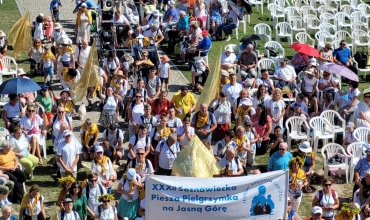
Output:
[[261, 196]]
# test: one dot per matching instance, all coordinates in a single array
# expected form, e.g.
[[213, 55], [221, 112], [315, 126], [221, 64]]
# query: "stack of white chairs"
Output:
[[341, 20], [297, 23]]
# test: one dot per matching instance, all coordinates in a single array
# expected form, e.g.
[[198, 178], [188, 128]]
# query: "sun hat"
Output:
[[305, 147], [20, 72], [313, 61], [131, 173], [165, 58], [2, 34], [57, 26], [172, 3], [99, 149], [366, 91], [229, 48], [224, 73], [247, 102], [285, 90], [65, 90], [155, 13], [66, 133], [248, 82], [350, 124], [64, 40], [316, 210], [46, 46], [84, 5], [205, 32], [309, 71], [41, 14], [231, 72]]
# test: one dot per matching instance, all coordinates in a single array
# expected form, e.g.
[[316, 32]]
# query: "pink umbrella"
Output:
[[338, 69]]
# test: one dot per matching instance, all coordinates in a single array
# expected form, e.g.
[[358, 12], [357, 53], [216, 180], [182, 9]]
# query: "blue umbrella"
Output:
[[18, 86]]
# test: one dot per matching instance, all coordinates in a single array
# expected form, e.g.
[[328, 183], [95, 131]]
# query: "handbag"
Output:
[[273, 52]]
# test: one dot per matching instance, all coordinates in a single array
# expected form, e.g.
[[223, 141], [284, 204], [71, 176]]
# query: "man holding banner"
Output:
[[233, 162]]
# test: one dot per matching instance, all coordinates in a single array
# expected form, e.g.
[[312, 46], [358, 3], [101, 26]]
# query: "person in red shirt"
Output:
[[160, 106]]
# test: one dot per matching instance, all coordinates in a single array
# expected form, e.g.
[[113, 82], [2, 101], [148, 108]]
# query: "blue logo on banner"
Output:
[[260, 204]]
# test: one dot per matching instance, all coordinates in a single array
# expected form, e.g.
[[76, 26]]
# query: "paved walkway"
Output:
[[67, 19]]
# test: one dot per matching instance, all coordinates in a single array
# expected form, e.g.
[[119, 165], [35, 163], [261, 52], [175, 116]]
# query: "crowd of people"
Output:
[[245, 120]]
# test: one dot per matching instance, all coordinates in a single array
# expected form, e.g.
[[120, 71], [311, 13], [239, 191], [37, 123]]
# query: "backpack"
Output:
[[157, 81], [101, 105], [150, 121], [88, 190], [361, 59], [273, 52], [117, 133], [161, 146], [63, 213], [137, 139], [134, 163], [174, 124], [321, 194]]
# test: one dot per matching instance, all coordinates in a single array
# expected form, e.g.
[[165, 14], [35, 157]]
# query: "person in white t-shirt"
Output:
[[173, 122], [93, 191], [12, 112], [68, 212], [135, 111], [165, 154], [115, 136], [233, 162], [308, 88], [81, 54], [106, 211], [185, 133], [120, 19], [37, 200], [142, 165], [232, 89], [228, 59], [68, 155], [353, 92], [164, 71], [349, 138], [285, 75], [154, 32], [140, 140]]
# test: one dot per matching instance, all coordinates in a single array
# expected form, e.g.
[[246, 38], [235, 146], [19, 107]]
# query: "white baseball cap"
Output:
[[316, 209]]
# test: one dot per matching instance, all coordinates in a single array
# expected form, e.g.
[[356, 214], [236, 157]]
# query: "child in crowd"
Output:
[[164, 71], [47, 62], [298, 102], [6, 186], [49, 27], [349, 138]]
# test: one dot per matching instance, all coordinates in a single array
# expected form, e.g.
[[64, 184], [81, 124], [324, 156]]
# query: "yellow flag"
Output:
[[90, 76], [212, 85], [195, 160], [20, 35]]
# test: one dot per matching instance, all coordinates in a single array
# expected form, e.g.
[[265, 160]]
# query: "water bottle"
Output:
[[151, 42], [258, 143]]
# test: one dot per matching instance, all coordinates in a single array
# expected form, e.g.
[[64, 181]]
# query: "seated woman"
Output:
[[32, 125], [9, 166], [326, 105], [89, 136], [67, 103], [195, 36], [32, 206], [243, 149], [307, 154], [227, 27], [65, 183], [363, 109], [102, 166], [351, 105], [308, 88], [299, 62], [216, 11], [56, 122], [261, 96], [12, 113], [222, 111], [263, 125], [22, 151], [326, 53], [200, 13], [228, 59]]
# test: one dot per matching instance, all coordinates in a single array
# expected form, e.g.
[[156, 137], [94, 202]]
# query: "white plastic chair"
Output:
[[361, 134], [331, 29], [360, 70], [292, 11], [297, 3], [355, 151], [307, 10], [346, 9], [263, 28], [244, 22], [322, 129], [328, 151], [283, 29], [9, 66], [343, 35], [312, 23], [359, 26], [358, 16], [322, 37], [205, 58], [365, 9], [330, 3], [265, 63], [355, 3], [325, 9], [304, 38], [327, 18], [293, 126], [278, 47], [282, 3], [297, 23], [341, 19], [257, 2], [24, 183], [359, 39], [330, 115], [275, 13]]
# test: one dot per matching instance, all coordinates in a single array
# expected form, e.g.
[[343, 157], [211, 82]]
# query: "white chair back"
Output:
[[304, 38], [355, 150], [321, 125], [346, 9], [357, 16], [291, 11], [359, 26], [263, 28], [342, 35], [7, 63], [331, 115], [361, 134], [327, 18], [297, 23], [329, 150], [306, 10], [275, 45]]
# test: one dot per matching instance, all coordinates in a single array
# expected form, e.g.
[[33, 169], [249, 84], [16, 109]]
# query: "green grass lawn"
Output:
[[10, 13]]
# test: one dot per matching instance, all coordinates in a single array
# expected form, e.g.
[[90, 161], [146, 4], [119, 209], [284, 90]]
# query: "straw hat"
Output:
[[230, 49], [285, 90], [57, 26], [224, 73], [309, 72], [119, 73], [20, 72], [144, 52], [2, 34]]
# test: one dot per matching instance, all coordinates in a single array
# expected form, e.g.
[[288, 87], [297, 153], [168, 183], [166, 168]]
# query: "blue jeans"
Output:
[[227, 28]]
